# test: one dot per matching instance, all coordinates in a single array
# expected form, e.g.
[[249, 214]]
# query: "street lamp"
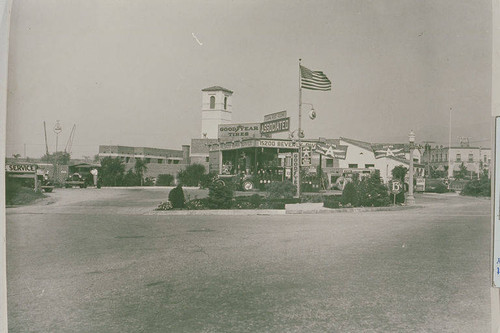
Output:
[[312, 113], [300, 134], [411, 199]]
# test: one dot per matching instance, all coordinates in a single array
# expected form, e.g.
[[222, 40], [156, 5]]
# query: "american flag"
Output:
[[314, 80]]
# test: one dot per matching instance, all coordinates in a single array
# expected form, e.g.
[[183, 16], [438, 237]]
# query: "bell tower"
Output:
[[216, 109]]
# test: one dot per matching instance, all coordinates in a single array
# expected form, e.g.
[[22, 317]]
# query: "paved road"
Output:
[[92, 262]]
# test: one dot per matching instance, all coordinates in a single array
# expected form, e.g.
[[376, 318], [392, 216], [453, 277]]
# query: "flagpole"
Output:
[[300, 130]]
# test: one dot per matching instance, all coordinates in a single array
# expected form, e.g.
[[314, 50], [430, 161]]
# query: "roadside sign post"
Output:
[[396, 188]]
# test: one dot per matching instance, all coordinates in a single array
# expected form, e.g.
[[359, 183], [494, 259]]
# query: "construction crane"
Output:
[[69, 144], [46, 144]]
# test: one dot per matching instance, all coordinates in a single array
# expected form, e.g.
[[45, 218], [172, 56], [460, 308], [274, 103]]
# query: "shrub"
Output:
[[197, 204], [220, 196], [478, 188], [333, 201], [207, 179], [439, 188], [281, 190], [369, 192], [12, 188], [372, 193], [176, 197], [165, 206], [400, 198], [131, 179], [350, 194], [255, 199], [165, 180], [191, 176]]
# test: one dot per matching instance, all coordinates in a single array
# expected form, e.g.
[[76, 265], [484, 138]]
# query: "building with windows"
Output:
[[159, 160], [476, 160]]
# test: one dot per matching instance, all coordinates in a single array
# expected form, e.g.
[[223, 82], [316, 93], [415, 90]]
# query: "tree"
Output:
[[60, 157], [112, 170], [192, 175], [371, 191], [462, 172], [164, 180], [399, 173], [476, 188], [131, 179], [176, 197], [220, 196], [16, 156], [140, 167]]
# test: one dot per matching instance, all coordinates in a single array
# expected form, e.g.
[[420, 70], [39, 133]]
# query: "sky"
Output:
[[130, 72]]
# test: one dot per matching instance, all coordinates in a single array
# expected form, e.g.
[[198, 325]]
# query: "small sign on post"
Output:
[[275, 115]]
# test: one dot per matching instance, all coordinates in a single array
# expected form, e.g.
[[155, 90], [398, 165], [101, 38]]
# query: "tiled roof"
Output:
[[217, 88]]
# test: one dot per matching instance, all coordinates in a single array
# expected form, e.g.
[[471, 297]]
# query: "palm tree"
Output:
[[140, 167]]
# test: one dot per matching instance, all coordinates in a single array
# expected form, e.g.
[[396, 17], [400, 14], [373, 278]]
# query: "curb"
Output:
[[349, 210], [219, 212], [265, 212]]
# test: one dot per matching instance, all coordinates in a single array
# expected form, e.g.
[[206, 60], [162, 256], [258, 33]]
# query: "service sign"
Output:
[[236, 131], [274, 116], [21, 168], [275, 126]]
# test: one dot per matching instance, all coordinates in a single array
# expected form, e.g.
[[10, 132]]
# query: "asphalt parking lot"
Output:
[[88, 260]]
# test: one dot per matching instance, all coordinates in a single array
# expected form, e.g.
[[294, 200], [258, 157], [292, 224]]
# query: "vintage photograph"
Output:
[[249, 166]]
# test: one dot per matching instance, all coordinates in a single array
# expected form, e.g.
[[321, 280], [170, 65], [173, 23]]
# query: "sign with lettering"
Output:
[[261, 143], [388, 150], [236, 131], [331, 150], [21, 168], [295, 168], [274, 116], [275, 126], [306, 156]]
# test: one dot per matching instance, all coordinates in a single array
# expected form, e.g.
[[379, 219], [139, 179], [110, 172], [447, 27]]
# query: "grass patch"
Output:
[[24, 196]]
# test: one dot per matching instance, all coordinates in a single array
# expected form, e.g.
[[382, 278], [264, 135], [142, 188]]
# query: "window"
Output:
[[353, 166], [484, 158], [176, 161], [471, 158], [459, 158], [369, 166], [127, 159], [225, 103], [212, 102], [329, 162], [148, 160], [207, 159], [160, 161]]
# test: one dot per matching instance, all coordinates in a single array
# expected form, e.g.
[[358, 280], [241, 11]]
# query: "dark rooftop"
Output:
[[217, 88]]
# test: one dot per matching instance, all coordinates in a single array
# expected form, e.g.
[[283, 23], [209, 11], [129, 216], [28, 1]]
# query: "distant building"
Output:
[[475, 159], [362, 156], [159, 160]]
